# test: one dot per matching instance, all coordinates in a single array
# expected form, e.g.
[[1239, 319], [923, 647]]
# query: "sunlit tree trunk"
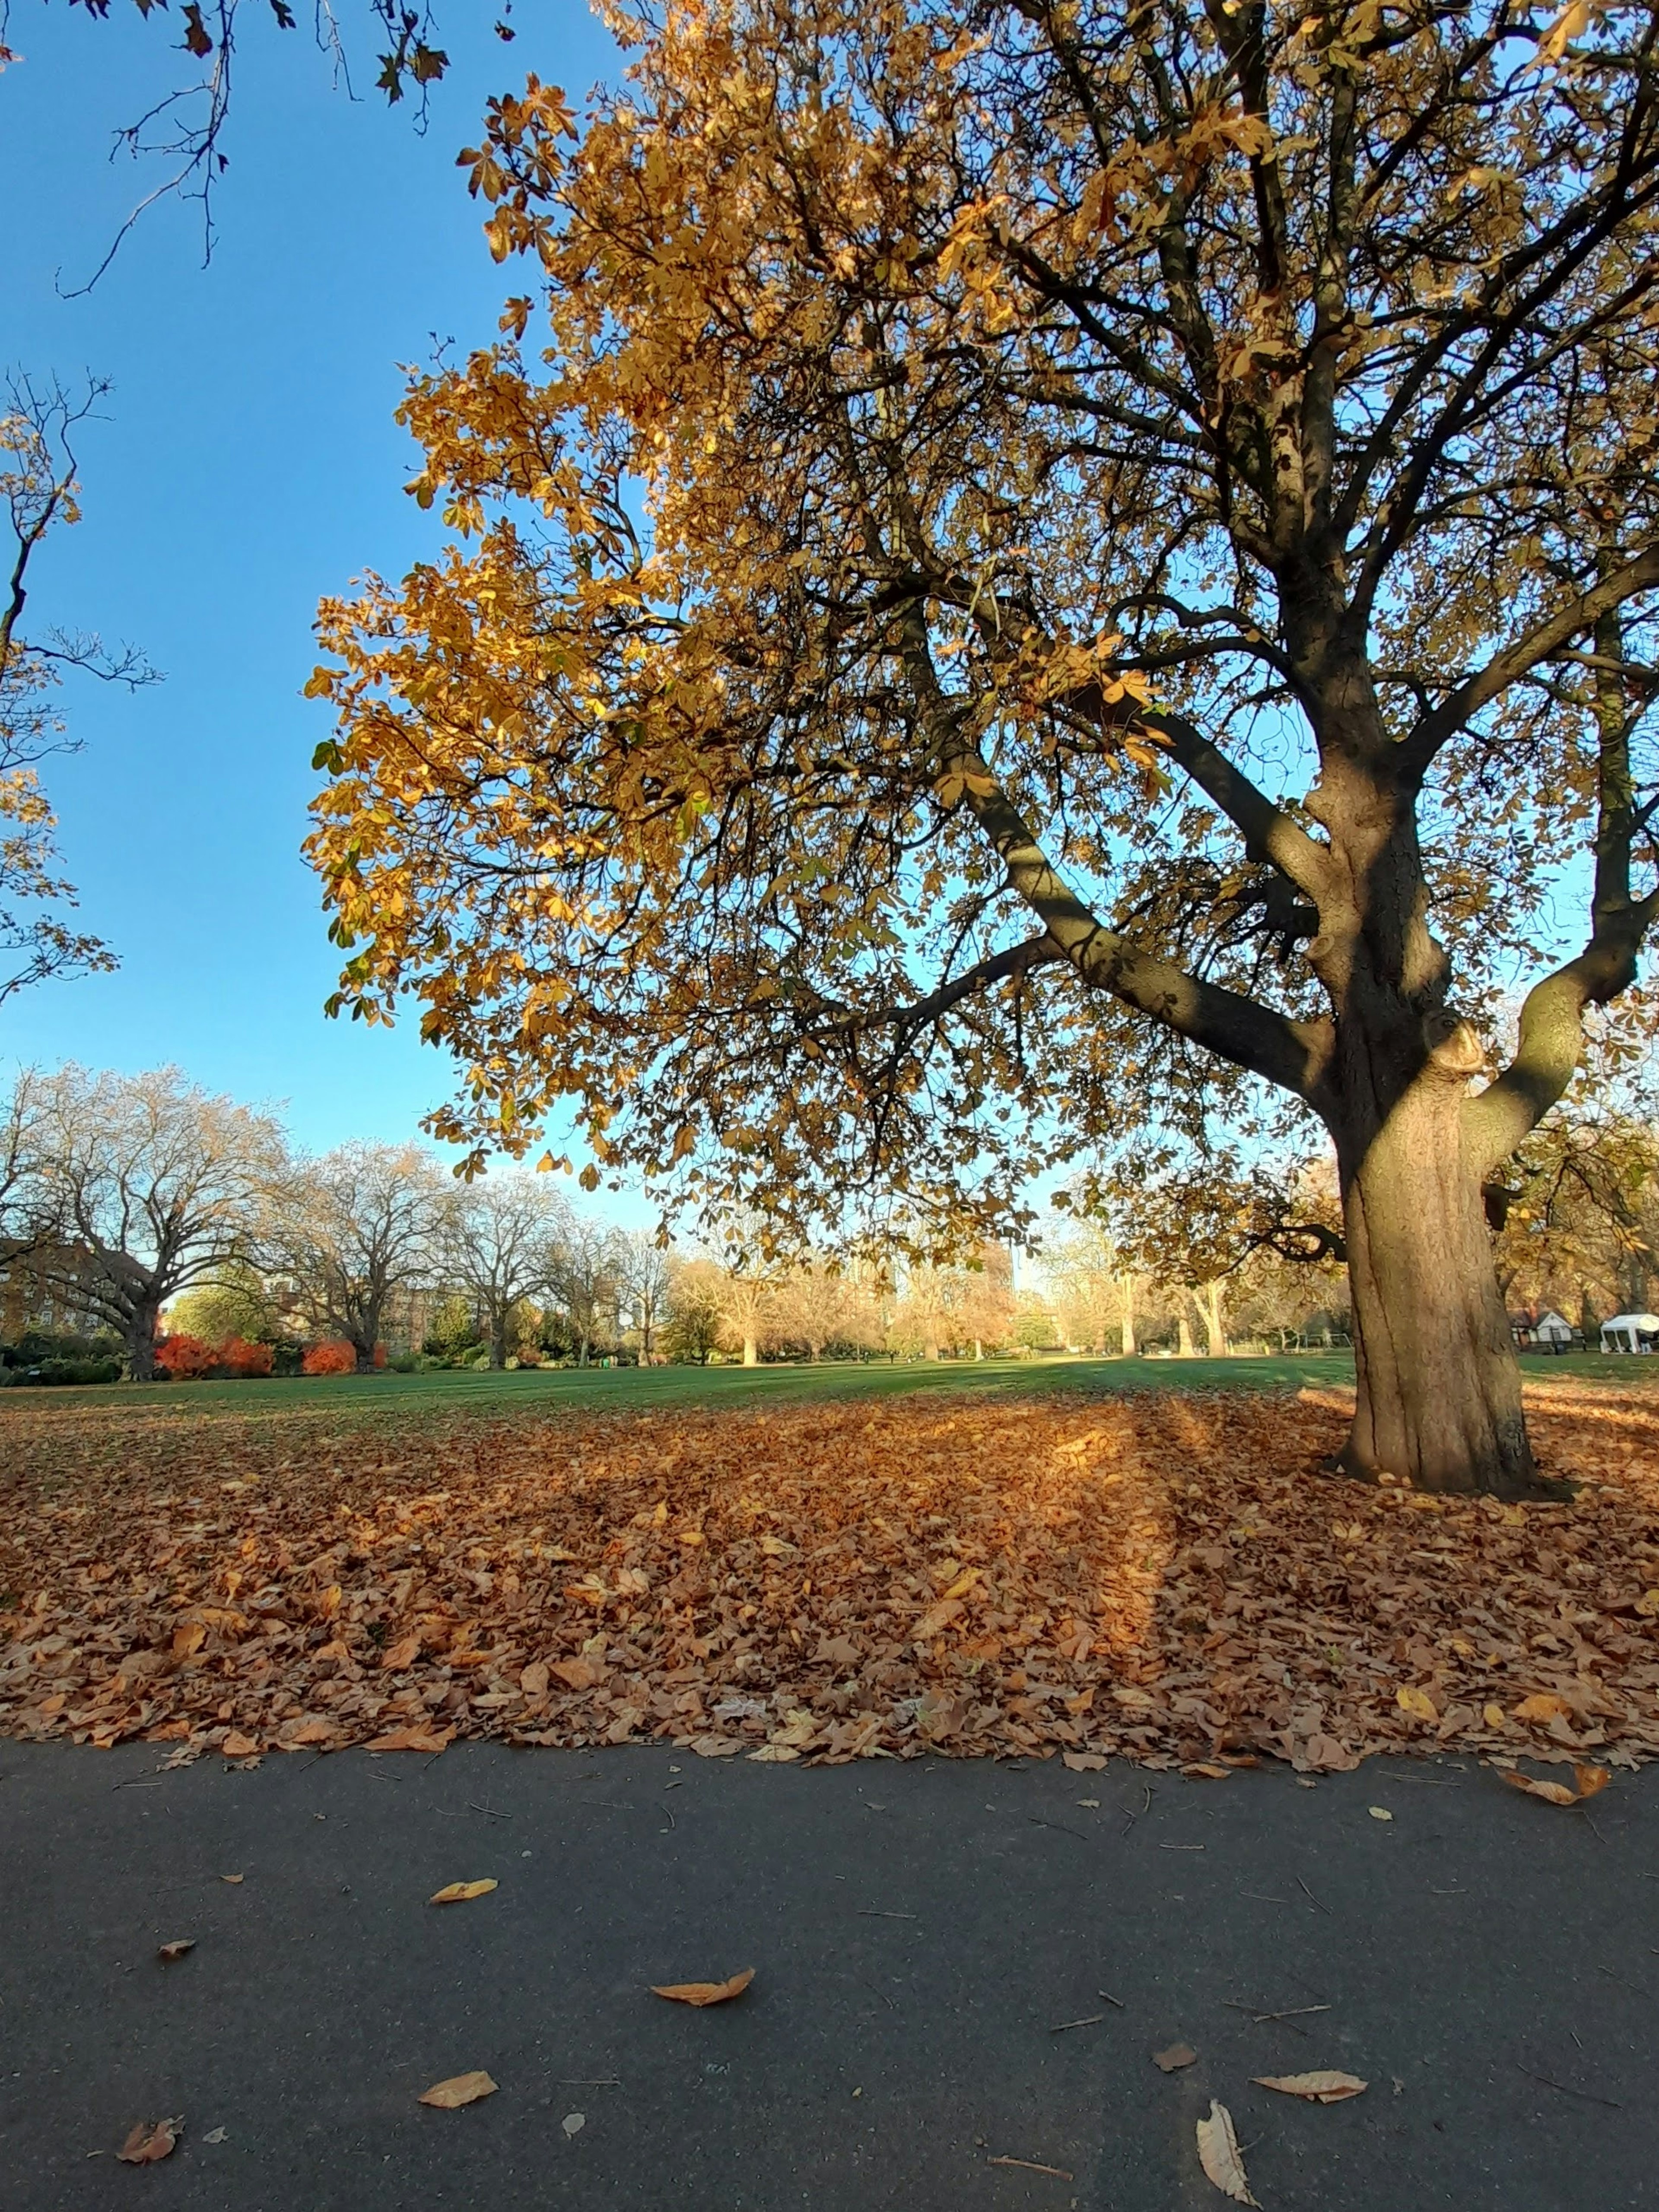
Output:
[[1126, 1327]]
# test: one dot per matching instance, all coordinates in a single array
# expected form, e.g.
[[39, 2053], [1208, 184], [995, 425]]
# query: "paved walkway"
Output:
[[918, 1934]]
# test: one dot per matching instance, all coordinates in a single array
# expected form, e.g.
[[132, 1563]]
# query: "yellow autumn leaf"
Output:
[[460, 2089], [457, 1892], [1318, 2088], [1418, 1703], [705, 1993]]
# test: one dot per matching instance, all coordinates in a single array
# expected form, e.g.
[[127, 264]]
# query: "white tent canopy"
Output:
[[1631, 1332]]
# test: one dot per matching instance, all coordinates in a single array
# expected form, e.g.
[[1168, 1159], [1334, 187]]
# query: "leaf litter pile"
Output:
[[1167, 1578]]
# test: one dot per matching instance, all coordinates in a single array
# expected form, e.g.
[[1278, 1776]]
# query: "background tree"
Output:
[[503, 1234], [138, 1186], [586, 1264], [694, 1311], [747, 1297], [235, 1301], [643, 1275], [357, 1226], [1151, 561], [1580, 1212], [987, 1308]]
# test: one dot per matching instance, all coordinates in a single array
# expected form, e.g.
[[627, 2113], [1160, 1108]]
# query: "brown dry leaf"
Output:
[[1207, 1770], [1545, 1706], [233, 1877], [150, 2140], [1319, 2088], [1177, 2055], [1219, 2154], [705, 1993], [188, 1637], [1117, 1610], [457, 1892], [169, 1951], [460, 2089], [1083, 1762], [412, 1739], [238, 1746], [1418, 1703], [1590, 1781]]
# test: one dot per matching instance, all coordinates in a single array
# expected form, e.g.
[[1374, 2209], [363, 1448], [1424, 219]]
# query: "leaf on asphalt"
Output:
[[574, 2122], [1177, 2055], [1543, 1706], [1083, 1762], [216, 2136], [460, 2089], [150, 2140], [412, 1739], [238, 1746], [457, 1892], [705, 1993], [1590, 1781], [1324, 2088], [169, 1951], [1380, 1813], [1418, 1703], [233, 1878], [1219, 2154], [1207, 1769]]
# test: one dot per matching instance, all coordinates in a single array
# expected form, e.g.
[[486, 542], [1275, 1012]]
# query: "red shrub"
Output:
[[241, 1358], [336, 1357], [181, 1357]]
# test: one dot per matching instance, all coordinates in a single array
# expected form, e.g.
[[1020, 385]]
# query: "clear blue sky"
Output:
[[248, 464]]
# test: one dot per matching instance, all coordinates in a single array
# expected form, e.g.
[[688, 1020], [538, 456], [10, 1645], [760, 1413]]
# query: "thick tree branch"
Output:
[[1432, 730]]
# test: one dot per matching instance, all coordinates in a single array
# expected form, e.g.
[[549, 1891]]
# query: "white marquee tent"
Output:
[[1631, 1332]]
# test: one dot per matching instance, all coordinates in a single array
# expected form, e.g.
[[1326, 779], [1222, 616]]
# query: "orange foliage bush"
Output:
[[243, 1357], [182, 1357], [334, 1357]]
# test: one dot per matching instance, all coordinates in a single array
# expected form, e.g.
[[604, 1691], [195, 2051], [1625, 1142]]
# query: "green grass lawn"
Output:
[[620, 1389]]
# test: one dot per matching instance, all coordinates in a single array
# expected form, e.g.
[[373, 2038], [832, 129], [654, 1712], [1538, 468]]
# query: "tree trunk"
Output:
[[1184, 1345], [1215, 1334], [140, 1334], [498, 1340], [930, 1347], [1126, 1328], [1439, 1386], [750, 1349]]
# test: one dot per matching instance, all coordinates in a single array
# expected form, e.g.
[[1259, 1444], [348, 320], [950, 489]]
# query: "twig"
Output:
[[1622, 1983], [490, 1809], [1262, 1897], [1031, 2167], [1093, 2020], [1588, 2095], [1061, 1827], [1296, 2012], [882, 1994], [1313, 1900], [672, 1822], [598, 2081], [1109, 1998], [1181, 1847], [870, 1912]]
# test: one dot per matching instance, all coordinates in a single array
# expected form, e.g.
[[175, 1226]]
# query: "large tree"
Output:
[[502, 1241], [135, 1186], [357, 1226], [1045, 566]]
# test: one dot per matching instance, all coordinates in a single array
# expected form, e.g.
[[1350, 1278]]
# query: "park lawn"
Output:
[[1013, 1557]]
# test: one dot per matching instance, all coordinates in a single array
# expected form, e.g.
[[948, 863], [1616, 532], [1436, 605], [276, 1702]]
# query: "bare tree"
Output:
[[135, 1186], [582, 1279], [503, 1246], [643, 1267], [359, 1224], [38, 489]]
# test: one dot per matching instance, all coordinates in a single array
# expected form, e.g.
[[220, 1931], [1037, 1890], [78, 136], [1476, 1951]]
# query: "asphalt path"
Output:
[[920, 1935]]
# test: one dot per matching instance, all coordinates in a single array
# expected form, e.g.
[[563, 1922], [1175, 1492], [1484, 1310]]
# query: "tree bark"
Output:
[[930, 1348], [140, 1334], [1439, 1386], [1184, 1345], [1215, 1334], [498, 1340], [1127, 1329], [750, 1349]]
